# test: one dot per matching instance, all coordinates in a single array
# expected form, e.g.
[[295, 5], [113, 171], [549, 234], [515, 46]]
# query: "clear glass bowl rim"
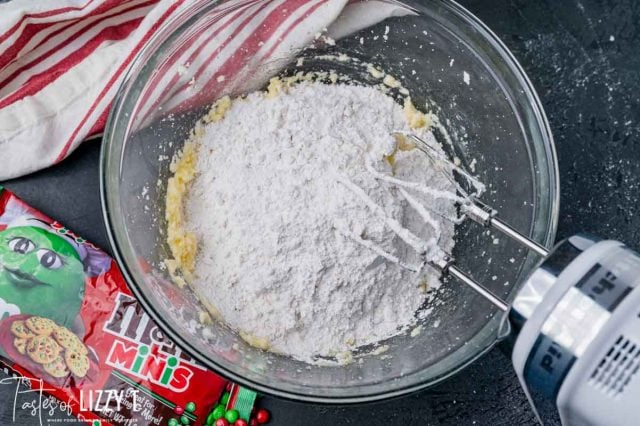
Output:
[[110, 203]]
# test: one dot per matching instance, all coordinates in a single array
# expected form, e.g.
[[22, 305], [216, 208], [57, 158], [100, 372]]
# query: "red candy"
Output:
[[262, 416], [221, 422], [228, 387], [240, 422], [178, 410]]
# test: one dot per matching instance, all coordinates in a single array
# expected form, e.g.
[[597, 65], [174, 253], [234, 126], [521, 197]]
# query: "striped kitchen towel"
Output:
[[61, 62]]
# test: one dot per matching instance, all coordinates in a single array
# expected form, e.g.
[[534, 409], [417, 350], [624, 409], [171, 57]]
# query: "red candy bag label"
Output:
[[68, 320]]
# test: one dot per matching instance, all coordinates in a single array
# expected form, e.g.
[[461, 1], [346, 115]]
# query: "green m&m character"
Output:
[[41, 272]]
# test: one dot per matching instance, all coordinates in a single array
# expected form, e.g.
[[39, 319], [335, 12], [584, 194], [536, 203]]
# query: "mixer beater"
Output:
[[575, 322], [474, 209]]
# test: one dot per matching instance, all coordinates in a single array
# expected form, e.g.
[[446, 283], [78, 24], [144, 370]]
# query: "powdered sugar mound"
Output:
[[277, 219]]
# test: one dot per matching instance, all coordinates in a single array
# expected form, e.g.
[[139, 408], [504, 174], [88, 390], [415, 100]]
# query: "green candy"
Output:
[[173, 422], [225, 398], [191, 407], [184, 420], [231, 416], [218, 412], [210, 419]]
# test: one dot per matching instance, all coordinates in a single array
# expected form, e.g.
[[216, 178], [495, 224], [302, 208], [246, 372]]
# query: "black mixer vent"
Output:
[[617, 367]]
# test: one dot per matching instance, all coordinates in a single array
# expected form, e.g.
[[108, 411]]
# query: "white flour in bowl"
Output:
[[297, 213]]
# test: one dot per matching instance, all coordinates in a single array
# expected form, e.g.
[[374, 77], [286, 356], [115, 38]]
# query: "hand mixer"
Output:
[[574, 324]]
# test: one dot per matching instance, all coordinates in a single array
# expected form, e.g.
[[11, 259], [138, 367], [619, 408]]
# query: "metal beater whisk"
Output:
[[479, 212], [574, 324]]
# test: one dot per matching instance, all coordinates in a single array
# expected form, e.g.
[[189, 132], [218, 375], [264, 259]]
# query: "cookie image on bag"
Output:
[[68, 340], [41, 326], [20, 330], [77, 363], [43, 349], [56, 368], [21, 345]]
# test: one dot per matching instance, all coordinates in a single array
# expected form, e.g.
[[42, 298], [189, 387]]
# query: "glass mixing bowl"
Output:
[[451, 63]]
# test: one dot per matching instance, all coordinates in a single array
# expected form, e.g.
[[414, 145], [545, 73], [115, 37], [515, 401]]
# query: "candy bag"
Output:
[[68, 320]]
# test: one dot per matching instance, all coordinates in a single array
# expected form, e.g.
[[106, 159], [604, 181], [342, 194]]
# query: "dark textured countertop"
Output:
[[583, 57]]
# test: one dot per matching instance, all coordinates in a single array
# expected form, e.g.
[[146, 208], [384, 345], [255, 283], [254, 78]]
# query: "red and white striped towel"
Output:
[[61, 62]]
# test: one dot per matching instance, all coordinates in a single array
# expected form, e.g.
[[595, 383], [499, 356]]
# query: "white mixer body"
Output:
[[576, 323]]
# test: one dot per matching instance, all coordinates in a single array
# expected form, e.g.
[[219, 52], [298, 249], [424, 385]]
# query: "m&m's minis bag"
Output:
[[67, 319]]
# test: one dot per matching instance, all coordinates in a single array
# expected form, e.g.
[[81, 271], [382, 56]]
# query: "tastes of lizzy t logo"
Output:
[[142, 350]]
